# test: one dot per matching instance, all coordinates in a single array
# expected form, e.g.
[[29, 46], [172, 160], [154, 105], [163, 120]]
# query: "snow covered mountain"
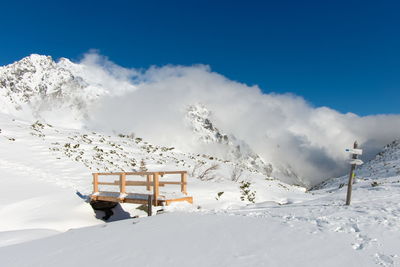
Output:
[[93, 95], [39, 84], [39, 88], [43, 165], [199, 118], [385, 164]]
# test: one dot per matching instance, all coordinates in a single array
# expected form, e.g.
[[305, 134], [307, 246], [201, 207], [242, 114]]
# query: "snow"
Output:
[[8, 238], [45, 177], [43, 217], [186, 239], [191, 239]]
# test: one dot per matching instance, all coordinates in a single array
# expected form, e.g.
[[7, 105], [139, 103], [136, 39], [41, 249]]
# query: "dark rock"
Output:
[[105, 206]]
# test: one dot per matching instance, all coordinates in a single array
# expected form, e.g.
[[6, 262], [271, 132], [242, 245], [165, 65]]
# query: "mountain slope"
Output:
[[275, 135], [385, 164], [39, 84], [199, 119], [47, 90]]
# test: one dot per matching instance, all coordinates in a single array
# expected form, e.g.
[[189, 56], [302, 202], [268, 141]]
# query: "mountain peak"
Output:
[[38, 83], [35, 60], [37, 57], [238, 151]]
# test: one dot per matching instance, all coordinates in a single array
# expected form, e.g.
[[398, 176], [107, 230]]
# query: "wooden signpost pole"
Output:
[[351, 176]]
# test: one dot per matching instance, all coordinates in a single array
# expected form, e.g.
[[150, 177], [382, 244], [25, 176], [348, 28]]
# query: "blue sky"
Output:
[[340, 54]]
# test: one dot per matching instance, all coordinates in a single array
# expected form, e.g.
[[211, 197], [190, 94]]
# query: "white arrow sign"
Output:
[[354, 151], [356, 162]]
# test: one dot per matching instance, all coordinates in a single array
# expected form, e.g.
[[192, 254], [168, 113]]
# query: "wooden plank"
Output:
[[126, 173], [149, 182], [122, 180], [95, 182], [142, 183], [156, 190], [124, 200], [172, 172], [107, 198], [108, 183], [184, 183], [188, 199], [152, 183], [108, 192], [135, 201], [137, 183], [144, 196], [140, 173], [142, 200], [109, 173], [167, 182]]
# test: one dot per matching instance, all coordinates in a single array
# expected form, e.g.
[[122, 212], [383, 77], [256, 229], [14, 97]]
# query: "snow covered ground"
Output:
[[182, 239], [241, 216], [42, 217], [319, 232]]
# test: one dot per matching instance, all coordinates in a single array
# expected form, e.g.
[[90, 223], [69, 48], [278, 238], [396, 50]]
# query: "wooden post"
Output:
[[184, 182], [351, 177], [149, 180], [122, 183], [156, 190], [149, 205], [95, 182]]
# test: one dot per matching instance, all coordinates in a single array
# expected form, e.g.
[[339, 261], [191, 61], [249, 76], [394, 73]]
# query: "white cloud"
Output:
[[283, 129], [99, 71]]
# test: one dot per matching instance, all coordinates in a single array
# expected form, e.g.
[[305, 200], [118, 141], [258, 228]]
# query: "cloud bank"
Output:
[[283, 129]]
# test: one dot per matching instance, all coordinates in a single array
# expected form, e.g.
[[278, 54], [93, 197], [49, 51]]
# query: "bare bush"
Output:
[[196, 167], [236, 173], [208, 173]]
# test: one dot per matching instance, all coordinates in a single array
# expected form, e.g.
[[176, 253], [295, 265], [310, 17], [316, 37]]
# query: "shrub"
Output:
[[246, 192]]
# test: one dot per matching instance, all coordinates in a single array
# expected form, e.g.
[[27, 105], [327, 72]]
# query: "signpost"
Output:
[[354, 151], [354, 162]]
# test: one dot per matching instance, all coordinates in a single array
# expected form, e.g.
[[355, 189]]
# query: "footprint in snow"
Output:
[[363, 242], [384, 260]]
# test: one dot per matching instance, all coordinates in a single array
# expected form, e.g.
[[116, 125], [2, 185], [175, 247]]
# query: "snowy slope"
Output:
[[38, 88], [46, 167], [385, 164], [199, 119], [319, 232], [43, 165], [187, 240], [40, 162], [193, 109]]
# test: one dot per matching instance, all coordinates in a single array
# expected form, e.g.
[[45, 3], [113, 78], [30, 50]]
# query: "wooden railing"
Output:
[[152, 182]]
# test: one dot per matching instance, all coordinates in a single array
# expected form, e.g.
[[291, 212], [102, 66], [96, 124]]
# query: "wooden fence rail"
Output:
[[152, 182]]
